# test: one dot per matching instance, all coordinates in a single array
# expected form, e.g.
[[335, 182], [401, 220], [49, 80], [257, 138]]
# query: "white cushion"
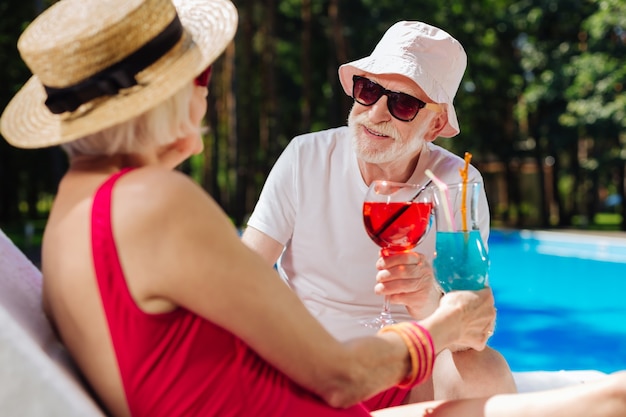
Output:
[[543, 380], [37, 376]]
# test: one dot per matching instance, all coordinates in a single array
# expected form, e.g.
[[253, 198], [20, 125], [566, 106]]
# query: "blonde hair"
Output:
[[161, 125]]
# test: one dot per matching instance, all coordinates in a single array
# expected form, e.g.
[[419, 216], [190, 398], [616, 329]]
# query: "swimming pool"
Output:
[[561, 300]]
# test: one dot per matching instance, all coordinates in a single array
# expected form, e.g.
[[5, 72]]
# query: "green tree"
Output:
[[596, 101], [543, 86], [24, 176], [548, 40]]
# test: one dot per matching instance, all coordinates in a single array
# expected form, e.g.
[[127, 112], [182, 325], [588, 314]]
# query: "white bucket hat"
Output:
[[429, 56], [98, 63]]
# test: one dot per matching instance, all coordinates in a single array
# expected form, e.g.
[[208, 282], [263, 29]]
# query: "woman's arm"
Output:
[[178, 248]]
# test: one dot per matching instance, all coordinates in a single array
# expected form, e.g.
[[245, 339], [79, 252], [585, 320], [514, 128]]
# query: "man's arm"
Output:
[[268, 248]]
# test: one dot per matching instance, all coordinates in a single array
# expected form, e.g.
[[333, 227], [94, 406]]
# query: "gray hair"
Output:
[[161, 125]]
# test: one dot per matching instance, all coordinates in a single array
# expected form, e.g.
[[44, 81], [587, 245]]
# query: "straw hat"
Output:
[[427, 55], [98, 63]]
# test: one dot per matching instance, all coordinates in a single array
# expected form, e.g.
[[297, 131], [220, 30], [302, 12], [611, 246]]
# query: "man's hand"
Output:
[[408, 279]]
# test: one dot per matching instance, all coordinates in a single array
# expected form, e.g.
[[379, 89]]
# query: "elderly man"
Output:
[[308, 218]]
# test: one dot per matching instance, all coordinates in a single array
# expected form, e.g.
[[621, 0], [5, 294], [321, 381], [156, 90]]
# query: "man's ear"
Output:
[[437, 124]]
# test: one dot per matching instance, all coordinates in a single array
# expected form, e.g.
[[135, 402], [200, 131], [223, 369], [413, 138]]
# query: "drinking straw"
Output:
[[464, 176], [445, 198], [398, 213]]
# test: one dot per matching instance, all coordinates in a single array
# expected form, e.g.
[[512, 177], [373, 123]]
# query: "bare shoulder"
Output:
[[165, 227], [155, 184], [160, 208], [158, 194]]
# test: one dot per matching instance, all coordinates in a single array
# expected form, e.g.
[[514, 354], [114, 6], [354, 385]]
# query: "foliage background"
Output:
[[541, 107]]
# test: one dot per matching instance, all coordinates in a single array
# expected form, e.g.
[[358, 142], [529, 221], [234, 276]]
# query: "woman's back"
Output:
[[171, 361], [70, 292], [158, 348]]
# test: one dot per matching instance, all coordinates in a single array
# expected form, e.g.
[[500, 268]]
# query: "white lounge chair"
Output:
[[37, 376]]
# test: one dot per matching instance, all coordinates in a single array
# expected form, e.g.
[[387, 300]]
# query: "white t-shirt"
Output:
[[312, 203]]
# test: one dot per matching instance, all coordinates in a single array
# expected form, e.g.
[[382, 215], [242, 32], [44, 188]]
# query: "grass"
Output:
[[605, 221]]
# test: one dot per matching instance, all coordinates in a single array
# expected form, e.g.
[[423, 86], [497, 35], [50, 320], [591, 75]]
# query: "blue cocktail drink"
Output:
[[461, 260]]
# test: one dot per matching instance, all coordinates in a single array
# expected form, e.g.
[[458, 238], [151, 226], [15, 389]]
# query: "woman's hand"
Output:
[[464, 318]]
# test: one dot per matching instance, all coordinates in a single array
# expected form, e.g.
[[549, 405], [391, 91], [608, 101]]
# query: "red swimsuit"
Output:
[[179, 364]]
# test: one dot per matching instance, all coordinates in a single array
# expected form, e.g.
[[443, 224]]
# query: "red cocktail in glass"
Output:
[[396, 217]]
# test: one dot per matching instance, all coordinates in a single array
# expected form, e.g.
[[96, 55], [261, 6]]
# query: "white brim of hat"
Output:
[[408, 69], [209, 25]]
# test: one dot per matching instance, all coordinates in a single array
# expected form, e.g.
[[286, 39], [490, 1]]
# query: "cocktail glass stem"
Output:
[[384, 318], [385, 314]]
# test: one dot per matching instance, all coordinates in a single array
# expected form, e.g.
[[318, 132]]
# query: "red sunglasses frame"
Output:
[[203, 79]]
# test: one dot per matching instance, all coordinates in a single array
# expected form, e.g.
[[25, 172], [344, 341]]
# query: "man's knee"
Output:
[[469, 373]]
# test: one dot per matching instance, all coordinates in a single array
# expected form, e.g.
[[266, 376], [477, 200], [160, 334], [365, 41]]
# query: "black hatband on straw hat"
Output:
[[111, 80]]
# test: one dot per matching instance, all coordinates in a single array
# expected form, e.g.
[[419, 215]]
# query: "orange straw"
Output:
[[464, 176]]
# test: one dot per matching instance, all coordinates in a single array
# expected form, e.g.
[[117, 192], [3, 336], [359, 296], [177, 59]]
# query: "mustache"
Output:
[[384, 128]]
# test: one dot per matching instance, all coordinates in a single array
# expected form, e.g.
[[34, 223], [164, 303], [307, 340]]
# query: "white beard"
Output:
[[386, 150]]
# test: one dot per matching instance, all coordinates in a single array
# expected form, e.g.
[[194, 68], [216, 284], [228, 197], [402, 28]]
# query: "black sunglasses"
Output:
[[401, 106]]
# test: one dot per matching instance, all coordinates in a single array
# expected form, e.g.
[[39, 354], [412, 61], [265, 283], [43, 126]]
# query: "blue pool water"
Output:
[[561, 300]]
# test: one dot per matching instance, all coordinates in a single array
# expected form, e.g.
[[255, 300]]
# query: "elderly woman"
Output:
[[163, 308]]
